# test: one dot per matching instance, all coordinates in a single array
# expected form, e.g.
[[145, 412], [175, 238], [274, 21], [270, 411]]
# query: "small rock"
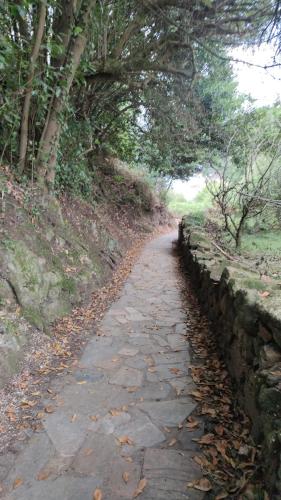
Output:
[[269, 355]]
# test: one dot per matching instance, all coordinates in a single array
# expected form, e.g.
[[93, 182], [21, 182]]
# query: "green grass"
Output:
[[196, 209], [268, 242]]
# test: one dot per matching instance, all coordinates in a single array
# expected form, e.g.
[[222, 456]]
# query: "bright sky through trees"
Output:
[[263, 85]]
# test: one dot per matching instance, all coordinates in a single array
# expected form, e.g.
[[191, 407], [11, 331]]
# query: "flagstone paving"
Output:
[[120, 412]]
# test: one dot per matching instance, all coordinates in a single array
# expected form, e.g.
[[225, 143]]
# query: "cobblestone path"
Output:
[[120, 412]]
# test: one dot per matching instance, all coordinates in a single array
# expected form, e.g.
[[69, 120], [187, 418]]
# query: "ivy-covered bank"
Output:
[[55, 252], [245, 313]]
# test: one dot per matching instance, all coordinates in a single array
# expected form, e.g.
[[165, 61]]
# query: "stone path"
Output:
[[119, 413]]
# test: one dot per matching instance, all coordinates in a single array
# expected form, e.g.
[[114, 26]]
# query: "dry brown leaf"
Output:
[[73, 418], [115, 413], [199, 460], [87, 452], [219, 429], [206, 410], [125, 477], [49, 409], [93, 418], [129, 459], [206, 439], [202, 484], [175, 370], [43, 475], [152, 369], [142, 484], [172, 442], [82, 382], [125, 440], [197, 395], [264, 294], [192, 423], [97, 494], [17, 482], [132, 389], [166, 429]]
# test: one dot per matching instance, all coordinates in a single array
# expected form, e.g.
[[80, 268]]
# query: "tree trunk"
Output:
[[27, 99], [47, 154], [62, 28]]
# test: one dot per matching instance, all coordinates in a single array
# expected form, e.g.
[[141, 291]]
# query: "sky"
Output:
[[262, 85]]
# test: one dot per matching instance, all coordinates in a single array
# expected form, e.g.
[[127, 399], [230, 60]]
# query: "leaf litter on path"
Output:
[[227, 473]]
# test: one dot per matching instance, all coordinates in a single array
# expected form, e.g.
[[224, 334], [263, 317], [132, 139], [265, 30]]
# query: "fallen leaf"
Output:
[[132, 389], [202, 484], [82, 382], [152, 369], [206, 439], [142, 484], [87, 452], [219, 430], [97, 495], [115, 413], [264, 294], [125, 440], [73, 418], [197, 395], [205, 410], [43, 475], [172, 442], [125, 476], [49, 409], [166, 429], [192, 423], [175, 370], [93, 418], [17, 482], [129, 459]]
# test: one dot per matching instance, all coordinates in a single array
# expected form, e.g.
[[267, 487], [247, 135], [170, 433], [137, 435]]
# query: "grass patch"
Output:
[[196, 209], [268, 242]]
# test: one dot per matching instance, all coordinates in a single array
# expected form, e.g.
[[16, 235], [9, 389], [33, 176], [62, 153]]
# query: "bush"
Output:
[[74, 178]]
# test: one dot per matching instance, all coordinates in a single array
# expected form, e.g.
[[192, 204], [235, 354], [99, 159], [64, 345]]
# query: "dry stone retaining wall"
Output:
[[245, 313]]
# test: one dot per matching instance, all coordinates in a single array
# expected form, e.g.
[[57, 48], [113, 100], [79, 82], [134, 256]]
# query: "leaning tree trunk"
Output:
[[27, 99], [48, 148]]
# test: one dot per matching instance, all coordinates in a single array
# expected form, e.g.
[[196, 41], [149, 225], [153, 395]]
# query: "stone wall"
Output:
[[245, 313]]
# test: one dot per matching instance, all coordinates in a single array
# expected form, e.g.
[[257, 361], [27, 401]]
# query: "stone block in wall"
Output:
[[264, 333], [269, 355]]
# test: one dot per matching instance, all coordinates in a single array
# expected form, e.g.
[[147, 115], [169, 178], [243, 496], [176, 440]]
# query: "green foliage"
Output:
[[196, 209], [74, 178], [134, 94]]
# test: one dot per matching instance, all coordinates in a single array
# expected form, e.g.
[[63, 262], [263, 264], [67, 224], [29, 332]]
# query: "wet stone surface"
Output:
[[117, 411]]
